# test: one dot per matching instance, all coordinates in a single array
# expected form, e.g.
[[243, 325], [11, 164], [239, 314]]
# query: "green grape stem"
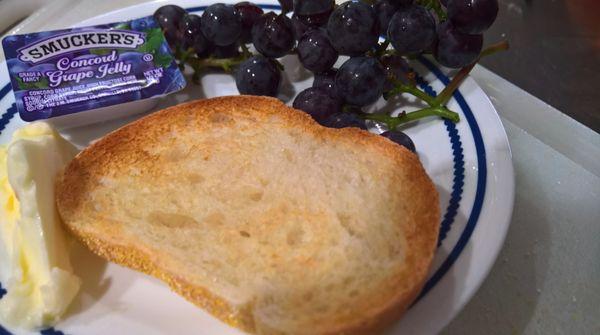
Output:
[[382, 48], [221, 63], [245, 51], [226, 64], [436, 6], [446, 94], [410, 89], [183, 55], [437, 104], [394, 121]]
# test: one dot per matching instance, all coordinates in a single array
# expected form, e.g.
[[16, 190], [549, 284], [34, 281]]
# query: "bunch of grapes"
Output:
[[319, 32]]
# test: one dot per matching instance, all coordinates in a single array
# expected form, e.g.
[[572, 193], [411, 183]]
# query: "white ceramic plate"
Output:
[[470, 163]]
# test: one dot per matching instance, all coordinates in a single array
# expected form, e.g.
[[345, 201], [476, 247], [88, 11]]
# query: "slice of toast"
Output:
[[254, 212]]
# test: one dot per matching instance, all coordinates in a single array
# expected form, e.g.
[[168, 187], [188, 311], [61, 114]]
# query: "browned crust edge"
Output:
[[138, 260], [425, 236]]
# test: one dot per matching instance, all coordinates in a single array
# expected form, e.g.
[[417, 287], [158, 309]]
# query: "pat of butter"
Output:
[[35, 268]]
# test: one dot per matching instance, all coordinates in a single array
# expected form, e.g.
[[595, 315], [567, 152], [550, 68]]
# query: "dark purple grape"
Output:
[[258, 76], [360, 81], [353, 29], [144, 23], [304, 23], [325, 79], [311, 7], [318, 103], [472, 16], [273, 35], [456, 49], [316, 52], [412, 30], [249, 13], [403, 2], [190, 35], [228, 51], [221, 25], [444, 3], [344, 120], [396, 69], [202, 47], [168, 18], [286, 5], [315, 20], [189, 28], [400, 138], [385, 9], [299, 26]]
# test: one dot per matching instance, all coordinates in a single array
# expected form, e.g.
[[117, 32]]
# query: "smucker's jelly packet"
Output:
[[63, 72]]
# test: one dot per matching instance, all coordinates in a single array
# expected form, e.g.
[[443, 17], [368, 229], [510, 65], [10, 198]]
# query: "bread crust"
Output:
[[118, 149]]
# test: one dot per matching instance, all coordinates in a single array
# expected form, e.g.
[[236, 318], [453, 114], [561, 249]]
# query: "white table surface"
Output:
[[547, 277]]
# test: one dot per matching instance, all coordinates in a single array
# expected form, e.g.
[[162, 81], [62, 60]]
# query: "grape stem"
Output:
[[437, 104], [183, 55], [393, 122], [382, 48], [279, 65], [436, 6], [221, 63], [446, 94], [412, 90], [245, 51]]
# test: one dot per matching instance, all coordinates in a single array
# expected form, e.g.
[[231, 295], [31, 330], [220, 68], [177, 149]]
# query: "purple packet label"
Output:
[[68, 71]]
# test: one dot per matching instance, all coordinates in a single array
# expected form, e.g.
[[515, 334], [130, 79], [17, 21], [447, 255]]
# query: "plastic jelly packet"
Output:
[[59, 74]]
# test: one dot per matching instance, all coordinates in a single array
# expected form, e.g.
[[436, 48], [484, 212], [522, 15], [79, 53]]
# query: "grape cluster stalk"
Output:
[[319, 32]]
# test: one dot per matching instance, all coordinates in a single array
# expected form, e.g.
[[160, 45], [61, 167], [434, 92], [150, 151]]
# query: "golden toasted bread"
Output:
[[254, 212]]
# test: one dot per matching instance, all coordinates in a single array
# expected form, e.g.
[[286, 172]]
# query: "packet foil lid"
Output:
[[68, 71]]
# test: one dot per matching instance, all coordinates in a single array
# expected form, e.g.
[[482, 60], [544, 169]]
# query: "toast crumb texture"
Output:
[[254, 212]]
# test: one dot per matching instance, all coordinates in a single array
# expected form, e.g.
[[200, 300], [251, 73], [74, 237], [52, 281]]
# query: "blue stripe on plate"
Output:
[[481, 182], [4, 91], [456, 191], [5, 118], [201, 8], [459, 168]]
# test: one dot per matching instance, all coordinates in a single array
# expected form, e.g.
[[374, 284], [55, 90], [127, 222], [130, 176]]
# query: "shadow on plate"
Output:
[[102, 287], [451, 281], [83, 136], [91, 269]]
